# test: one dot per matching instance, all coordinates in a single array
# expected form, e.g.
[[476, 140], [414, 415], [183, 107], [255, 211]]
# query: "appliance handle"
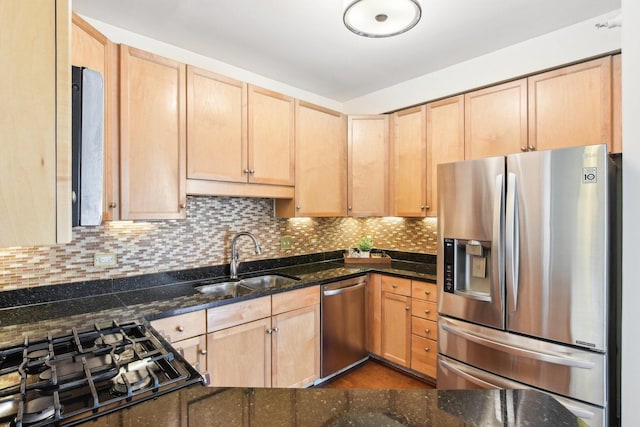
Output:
[[512, 235], [339, 291], [497, 259], [534, 354], [475, 380]]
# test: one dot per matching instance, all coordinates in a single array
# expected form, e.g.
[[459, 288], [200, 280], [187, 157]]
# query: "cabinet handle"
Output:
[[113, 205], [203, 352], [180, 328], [350, 208], [183, 206], [523, 148], [532, 148], [246, 171], [427, 207], [427, 330], [298, 207], [269, 331], [252, 171], [423, 207], [427, 311], [427, 292], [276, 329], [426, 349], [407, 308], [394, 286]]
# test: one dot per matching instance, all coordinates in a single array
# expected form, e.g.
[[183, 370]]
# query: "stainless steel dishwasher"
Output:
[[343, 325]]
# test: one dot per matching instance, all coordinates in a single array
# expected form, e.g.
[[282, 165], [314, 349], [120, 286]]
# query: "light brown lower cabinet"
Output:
[[396, 328]]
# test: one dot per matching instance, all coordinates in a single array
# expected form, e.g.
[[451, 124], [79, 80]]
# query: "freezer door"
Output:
[[557, 244], [470, 240], [453, 375], [567, 371]]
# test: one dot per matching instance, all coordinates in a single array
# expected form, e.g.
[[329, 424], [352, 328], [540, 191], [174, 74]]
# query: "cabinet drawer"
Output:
[[238, 313], [424, 290], [293, 300], [425, 309], [183, 326], [194, 350], [424, 328], [423, 355], [396, 285]]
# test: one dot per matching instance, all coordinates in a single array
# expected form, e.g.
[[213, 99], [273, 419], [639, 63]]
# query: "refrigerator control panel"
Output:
[[449, 265]]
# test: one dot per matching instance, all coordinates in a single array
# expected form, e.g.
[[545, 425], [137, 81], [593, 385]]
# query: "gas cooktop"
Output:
[[66, 380]]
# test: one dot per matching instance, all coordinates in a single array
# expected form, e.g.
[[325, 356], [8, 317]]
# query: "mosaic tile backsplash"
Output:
[[203, 239]]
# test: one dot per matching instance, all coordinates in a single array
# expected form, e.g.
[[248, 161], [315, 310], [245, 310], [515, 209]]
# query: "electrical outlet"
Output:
[[312, 240], [105, 260], [285, 243]]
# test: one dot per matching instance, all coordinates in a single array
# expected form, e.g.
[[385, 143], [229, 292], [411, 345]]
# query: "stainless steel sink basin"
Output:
[[224, 289], [268, 281]]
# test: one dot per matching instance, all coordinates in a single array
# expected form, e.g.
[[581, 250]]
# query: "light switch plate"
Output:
[[105, 259], [285, 243]]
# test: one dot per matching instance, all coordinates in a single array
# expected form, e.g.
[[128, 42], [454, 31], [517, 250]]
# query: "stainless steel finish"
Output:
[[235, 256], [268, 281], [561, 257], [512, 240], [92, 154], [246, 171], [455, 375], [560, 369], [343, 325], [473, 190], [180, 328], [223, 289], [249, 284], [252, 171]]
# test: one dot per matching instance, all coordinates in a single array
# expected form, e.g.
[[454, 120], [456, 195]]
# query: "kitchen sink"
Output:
[[232, 289]]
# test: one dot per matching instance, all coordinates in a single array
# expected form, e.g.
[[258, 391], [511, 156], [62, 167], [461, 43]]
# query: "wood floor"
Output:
[[375, 375]]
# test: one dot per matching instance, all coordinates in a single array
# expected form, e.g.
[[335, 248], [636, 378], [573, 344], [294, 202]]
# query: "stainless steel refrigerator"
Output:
[[526, 292]]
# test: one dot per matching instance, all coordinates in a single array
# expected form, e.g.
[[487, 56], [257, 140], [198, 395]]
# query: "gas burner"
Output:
[[137, 380], [110, 339], [38, 409], [38, 355], [69, 369]]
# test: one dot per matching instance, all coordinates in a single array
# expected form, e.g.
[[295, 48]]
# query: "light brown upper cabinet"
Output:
[[91, 49], [271, 137], [368, 170], [571, 106], [152, 136], [496, 120], [408, 163], [445, 142], [616, 80], [321, 164], [35, 122]]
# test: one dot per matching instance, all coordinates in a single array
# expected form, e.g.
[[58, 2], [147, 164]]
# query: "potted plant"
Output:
[[365, 244]]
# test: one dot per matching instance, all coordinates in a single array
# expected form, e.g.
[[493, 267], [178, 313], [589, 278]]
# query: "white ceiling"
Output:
[[304, 44]]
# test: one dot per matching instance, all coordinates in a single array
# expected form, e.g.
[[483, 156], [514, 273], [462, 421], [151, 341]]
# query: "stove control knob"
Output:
[[180, 328]]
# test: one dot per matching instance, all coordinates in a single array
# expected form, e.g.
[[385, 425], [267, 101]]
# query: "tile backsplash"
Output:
[[203, 239]]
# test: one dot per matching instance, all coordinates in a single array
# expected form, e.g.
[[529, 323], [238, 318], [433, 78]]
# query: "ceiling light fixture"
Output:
[[381, 18]]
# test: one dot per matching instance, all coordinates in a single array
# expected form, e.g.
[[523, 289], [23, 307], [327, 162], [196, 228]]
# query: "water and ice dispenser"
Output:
[[467, 268]]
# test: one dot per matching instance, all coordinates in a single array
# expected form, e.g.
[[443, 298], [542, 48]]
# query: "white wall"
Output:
[[579, 41], [119, 35], [630, 212]]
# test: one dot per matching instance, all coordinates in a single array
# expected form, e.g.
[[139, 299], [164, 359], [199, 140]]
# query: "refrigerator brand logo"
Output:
[[589, 175]]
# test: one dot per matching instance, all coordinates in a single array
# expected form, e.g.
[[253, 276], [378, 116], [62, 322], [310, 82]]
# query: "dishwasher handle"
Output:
[[331, 292]]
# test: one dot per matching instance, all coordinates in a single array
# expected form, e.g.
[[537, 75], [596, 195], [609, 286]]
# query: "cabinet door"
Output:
[[408, 163], [35, 123], [571, 106], [496, 120], [445, 142], [271, 141], [368, 172], [91, 49], [396, 328], [216, 127], [321, 162], [240, 356], [152, 136], [424, 353], [194, 350], [616, 83], [296, 347]]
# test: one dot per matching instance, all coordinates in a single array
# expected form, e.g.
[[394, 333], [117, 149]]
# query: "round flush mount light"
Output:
[[381, 18]]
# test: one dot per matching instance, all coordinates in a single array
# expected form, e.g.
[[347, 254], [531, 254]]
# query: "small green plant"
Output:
[[365, 243]]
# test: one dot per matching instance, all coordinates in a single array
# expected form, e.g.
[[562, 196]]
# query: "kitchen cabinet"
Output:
[[616, 95], [91, 49], [272, 341], [396, 320], [321, 164], [374, 314], [571, 106], [424, 328], [35, 122], [152, 136], [445, 142], [187, 334], [408, 163], [496, 120], [368, 165]]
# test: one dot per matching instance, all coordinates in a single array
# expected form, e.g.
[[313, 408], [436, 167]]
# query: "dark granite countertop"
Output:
[[57, 309], [198, 406]]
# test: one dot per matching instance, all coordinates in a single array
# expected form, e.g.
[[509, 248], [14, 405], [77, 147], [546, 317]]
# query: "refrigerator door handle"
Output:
[[512, 237], [497, 241], [475, 380], [557, 359]]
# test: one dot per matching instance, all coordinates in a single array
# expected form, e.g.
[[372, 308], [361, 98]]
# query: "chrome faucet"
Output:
[[235, 256]]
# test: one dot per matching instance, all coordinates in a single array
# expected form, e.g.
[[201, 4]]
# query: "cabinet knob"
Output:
[[407, 308], [276, 329], [427, 292], [113, 205], [523, 148], [350, 208], [183, 206], [423, 207], [252, 171], [394, 286], [180, 328], [298, 207], [427, 311], [426, 349], [246, 171], [203, 352], [532, 148], [427, 207], [427, 330], [269, 331]]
